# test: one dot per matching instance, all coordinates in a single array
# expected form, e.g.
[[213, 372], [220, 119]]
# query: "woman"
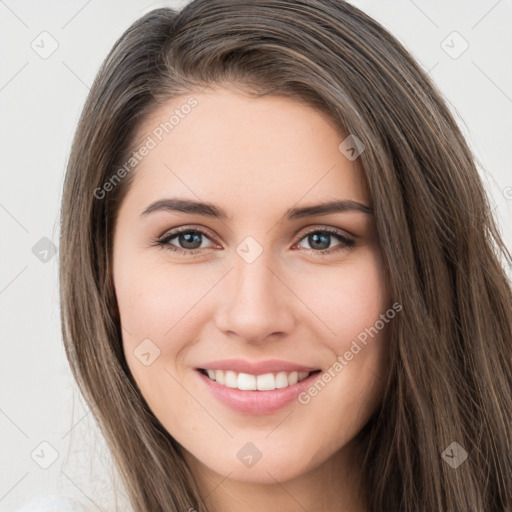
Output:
[[280, 278]]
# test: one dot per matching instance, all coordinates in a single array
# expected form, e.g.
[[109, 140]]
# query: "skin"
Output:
[[255, 158]]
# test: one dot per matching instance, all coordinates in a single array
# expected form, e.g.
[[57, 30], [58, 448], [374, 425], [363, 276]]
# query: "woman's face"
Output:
[[246, 289]]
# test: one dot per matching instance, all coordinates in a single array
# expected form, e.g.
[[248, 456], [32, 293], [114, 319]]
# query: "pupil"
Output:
[[188, 239], [315, 239]]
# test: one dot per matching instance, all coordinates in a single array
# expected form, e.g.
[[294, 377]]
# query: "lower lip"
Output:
[[257, 402]]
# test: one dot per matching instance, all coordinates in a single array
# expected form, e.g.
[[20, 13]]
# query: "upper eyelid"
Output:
[[171, 233]]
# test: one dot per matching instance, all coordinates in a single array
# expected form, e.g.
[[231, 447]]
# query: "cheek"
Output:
[[356, 307], [158, 306], [156, 309], [163, 308], [155, 298], [348, 299]]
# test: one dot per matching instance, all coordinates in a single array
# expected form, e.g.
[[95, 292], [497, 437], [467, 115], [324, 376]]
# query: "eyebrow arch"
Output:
[[186, 206], [211, 210], [339, 206]]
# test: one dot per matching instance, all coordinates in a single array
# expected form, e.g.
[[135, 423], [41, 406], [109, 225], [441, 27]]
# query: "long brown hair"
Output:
[[450, 378]]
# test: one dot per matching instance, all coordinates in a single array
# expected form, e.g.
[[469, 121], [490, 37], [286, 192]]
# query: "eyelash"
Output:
[[163, 241]]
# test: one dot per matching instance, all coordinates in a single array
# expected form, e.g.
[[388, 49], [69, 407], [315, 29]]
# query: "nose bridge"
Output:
[[255, 303], [254, 278]]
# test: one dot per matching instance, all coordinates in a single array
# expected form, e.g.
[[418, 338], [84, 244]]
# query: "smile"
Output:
[[249, 382], [240, 391]]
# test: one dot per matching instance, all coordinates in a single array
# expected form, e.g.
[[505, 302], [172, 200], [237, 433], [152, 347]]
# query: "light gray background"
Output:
[[40, 101]]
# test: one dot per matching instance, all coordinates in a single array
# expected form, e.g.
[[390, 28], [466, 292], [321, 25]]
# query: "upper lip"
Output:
[[256, 367]]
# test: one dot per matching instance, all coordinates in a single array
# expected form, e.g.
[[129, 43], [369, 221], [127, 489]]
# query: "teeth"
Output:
[[247, 382], [230, 379], [219, 376], [266, 382], [281, 380]]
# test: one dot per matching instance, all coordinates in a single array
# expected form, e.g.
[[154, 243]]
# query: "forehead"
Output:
[[254, 152]]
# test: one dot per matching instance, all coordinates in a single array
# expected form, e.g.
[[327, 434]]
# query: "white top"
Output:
[[53, 504]]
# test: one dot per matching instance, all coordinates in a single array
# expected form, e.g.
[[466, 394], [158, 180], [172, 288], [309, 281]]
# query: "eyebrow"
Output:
[[211, 210]]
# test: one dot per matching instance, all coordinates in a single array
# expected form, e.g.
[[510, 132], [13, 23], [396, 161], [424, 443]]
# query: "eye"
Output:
[[320, 239], [190, 240]]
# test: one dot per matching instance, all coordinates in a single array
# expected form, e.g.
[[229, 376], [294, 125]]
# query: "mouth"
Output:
[[255, 394], [250, 382]]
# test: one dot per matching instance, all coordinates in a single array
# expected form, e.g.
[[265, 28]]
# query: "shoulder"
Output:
[[52, 504]]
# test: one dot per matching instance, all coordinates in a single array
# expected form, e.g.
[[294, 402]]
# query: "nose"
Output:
[[255, 302]]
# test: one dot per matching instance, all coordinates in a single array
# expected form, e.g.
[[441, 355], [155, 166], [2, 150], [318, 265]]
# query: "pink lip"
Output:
[[253, 401], [256, 367]]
